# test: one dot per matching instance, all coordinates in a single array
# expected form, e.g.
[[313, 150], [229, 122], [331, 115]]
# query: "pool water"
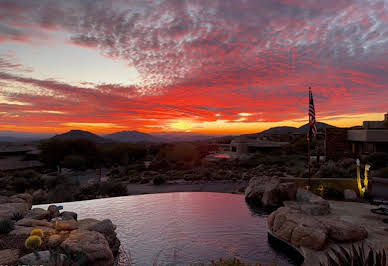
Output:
[[185, 228]]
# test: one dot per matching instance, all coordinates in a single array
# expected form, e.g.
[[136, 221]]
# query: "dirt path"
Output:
[[225, 186]]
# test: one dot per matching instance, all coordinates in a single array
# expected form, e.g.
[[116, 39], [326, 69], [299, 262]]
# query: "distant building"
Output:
[[358, 141], [245, 146]]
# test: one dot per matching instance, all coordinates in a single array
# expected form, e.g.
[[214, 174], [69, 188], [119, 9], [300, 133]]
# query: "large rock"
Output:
[[66, 225], [33, 223], [87, 223], [54, 240], [256, 187], [342, 231], [298, 228], [309, 203], [92, 244], [349, 194], [9, 256], [44, 258], [66, 215], [53, 211], [25, 197], [26, 230], [38, 214], [107, 228], [287, 191], [271, 195], [8, 210]]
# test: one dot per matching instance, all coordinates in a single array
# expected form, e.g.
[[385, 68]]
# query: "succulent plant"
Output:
[[33, 242], [356, 257], [37, 232]]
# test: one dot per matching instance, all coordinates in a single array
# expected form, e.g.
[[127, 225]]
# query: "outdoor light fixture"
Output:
[[362, 187]]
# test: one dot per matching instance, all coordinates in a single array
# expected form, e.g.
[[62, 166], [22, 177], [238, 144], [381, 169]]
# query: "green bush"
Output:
[[6, 226], [331, 170], [158, 180]]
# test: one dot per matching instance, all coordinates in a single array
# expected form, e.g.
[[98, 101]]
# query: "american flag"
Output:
[[312, 121]]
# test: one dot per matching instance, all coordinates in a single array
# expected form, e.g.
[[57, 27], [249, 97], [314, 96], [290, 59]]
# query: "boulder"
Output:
[[287, 191], [271, 194], [53, 211], [298, 228], [54, 241], [25, 197], [66, 215], [350, 194], [66, 225], [44, 258], [92, 244], [107, 228], [7, 210], [309, 203], [37, 214], [86, 223], [33, 223], [342, 231], [256, 188], [26, 230], [9, 256]]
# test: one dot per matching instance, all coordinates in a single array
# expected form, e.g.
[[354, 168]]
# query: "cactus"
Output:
[[37, 232], [33, 242]]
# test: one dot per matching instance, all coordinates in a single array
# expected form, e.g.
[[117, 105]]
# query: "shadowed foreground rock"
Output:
[[304, 230], [95, 240], [93, 244]]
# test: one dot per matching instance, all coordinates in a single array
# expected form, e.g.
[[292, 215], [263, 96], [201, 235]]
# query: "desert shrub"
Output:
[[54, 151], [75, 162], [382, 172], [144, 180], [377, 160], [181, 152], [328, 191], [348, 163], [158, 180], [331, 170], [89, 190], [6, 226], [113, 189], [63, 193], [17, 216], [30, 174]]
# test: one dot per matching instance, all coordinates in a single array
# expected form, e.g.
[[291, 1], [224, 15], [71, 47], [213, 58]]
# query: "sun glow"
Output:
[[181, 125]]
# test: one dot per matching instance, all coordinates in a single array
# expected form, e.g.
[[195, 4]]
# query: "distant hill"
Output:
[[80, 134], [18, 136], [320, 127], [133, 137], [292, 130]]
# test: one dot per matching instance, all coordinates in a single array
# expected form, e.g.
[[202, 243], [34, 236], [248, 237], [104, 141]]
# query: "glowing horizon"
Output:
[[225, 67]]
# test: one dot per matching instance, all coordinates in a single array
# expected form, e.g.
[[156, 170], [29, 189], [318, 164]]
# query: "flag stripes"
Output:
[[312, 121]]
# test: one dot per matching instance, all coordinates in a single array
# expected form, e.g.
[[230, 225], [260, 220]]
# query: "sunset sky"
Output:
[[220, 66]]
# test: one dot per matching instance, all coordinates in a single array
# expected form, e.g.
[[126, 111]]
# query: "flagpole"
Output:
[[308, 146]]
